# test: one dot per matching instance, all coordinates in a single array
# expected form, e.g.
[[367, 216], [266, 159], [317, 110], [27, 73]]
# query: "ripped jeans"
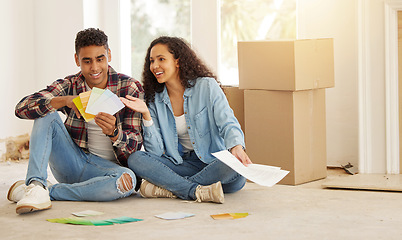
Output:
[[82, 176]]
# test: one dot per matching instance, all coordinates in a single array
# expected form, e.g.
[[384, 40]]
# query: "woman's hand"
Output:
[[137, 105], [240, 154]]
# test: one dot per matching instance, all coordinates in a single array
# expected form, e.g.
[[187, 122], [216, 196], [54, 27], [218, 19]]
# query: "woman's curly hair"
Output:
[[190, 66]]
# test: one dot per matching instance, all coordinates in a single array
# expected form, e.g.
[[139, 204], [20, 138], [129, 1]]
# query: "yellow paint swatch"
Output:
[[84, 96], [87, 117], [238, 215], [229, 216]]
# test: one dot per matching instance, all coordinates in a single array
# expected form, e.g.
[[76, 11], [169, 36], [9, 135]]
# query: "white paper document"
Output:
[[87, 213], [261, 174], [174, 215]]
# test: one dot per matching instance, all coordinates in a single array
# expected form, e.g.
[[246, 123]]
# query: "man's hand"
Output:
[[65, 101], [107, 122]]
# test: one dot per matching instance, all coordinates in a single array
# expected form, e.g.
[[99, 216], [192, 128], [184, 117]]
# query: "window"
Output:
[[245, 20], [153, 18], [241, 20]]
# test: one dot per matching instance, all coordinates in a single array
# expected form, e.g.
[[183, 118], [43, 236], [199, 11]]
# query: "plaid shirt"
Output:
[[129, 122]]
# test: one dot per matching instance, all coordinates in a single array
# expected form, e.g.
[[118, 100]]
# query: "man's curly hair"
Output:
[[190, 66], [90, 37]]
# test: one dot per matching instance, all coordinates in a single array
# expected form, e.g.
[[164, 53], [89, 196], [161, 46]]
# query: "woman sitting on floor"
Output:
[[186, 117]]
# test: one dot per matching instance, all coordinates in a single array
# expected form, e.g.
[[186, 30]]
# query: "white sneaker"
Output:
[[16, 191], [35, 198]]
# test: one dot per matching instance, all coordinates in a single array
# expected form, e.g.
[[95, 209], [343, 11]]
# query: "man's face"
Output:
[[93, 61]]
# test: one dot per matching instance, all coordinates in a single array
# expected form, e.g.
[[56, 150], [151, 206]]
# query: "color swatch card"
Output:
[[78, 103], [229, 216], [105, 101], [95, 94], [94, 222], [85, 98], [97, 100]]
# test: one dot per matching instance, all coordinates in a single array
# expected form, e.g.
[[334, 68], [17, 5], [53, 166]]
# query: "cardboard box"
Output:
[[235, 98], [286, 65], [287, 129]]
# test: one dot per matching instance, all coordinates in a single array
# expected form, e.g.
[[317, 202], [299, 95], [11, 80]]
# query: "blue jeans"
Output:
[[82, 176], [183, 179]]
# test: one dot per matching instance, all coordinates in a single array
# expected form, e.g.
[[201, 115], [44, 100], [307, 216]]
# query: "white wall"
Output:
[[38, 48], [56, 22], [18, 63], [359, 108], [337, 20]]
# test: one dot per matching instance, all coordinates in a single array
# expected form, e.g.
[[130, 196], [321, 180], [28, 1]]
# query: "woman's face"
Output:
[[163, 64]]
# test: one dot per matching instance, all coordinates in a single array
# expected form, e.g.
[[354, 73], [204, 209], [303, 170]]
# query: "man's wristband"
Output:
[[114, 134]]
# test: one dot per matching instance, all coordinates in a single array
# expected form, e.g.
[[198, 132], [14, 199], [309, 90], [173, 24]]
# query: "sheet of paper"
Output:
[[174, 215], [107, 102], [87, 213], [261, 174]]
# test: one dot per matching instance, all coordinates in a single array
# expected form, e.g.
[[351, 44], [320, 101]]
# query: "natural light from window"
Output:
[[241, 20], [153, 18], [246, 20]]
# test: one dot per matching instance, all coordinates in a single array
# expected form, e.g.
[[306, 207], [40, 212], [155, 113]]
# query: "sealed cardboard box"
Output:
[[289, 65], [288, 130], [235, 98]]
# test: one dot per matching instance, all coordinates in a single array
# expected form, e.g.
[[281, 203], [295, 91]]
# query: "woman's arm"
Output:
[[228, 125], [151, 134]]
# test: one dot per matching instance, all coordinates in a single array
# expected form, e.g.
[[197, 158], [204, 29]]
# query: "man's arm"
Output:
[[39, 103], [65, 101]]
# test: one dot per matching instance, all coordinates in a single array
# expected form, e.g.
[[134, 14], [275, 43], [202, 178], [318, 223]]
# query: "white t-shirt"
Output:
[[98, 143], [184, 138]]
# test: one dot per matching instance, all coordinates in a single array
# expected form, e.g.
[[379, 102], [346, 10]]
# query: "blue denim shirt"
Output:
[[211, 123]]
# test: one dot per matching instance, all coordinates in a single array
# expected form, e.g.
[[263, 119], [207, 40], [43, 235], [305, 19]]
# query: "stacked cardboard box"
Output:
[[235, 98], [284, 104]]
